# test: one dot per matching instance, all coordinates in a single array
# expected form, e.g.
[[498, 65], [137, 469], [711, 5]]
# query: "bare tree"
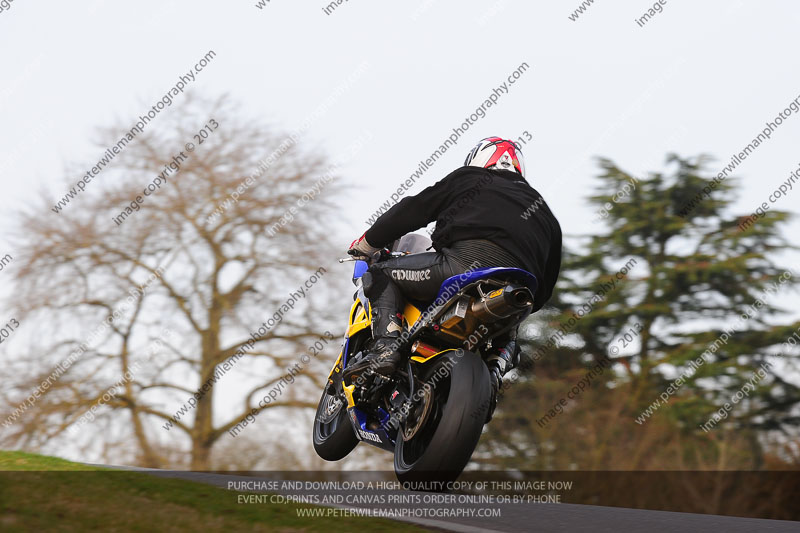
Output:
[[167, 302]]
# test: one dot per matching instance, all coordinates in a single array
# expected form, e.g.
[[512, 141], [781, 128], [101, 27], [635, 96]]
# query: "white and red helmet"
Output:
[[499, 153]]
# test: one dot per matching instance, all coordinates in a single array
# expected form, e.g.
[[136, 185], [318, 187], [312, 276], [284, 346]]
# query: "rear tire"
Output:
[[443, 446], [334, 438]]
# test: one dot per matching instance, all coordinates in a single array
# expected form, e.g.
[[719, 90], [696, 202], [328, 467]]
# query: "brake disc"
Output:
[[333, 404], [417, 419]]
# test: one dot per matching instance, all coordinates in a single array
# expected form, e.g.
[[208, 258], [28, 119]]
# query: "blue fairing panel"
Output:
[[455, 283], [359, 269], [345, 351], [381, 437]]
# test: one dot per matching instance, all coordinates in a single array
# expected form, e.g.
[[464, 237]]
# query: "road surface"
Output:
[[514, 517]]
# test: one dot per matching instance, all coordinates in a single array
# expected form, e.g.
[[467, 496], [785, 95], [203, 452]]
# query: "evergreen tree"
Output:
[[684, 307]]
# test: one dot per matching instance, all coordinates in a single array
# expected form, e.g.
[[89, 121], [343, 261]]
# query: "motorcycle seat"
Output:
[[455, 283]]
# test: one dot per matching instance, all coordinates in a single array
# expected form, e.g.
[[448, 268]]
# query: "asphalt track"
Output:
[[528, 517]]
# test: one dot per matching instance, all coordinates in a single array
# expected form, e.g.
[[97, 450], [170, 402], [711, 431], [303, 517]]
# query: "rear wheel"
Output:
[[333, 433], [442, 446]]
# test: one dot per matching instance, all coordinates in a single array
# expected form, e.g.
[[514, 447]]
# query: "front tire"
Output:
[[441, 449], [334, 438]]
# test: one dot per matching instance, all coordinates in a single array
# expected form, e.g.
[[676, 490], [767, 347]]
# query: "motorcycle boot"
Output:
[[383, 357], [500, 363]]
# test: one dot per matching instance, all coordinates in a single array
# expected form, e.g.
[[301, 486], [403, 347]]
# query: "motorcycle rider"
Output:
[[487, 215]]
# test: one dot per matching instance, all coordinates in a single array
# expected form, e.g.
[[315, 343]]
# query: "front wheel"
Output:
[[441, 448], [333, 434]]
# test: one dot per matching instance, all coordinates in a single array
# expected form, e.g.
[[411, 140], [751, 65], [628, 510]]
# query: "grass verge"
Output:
[[39, 493]]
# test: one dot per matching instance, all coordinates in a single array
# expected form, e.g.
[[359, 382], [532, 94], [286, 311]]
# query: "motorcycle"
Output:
[[431, 412]]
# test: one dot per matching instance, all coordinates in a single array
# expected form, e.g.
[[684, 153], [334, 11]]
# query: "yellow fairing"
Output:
[[411, 314], [348, 392], [359, 318], [337, 366], [420, 359]]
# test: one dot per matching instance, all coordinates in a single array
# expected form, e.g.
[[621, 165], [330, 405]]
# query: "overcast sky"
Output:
[[698, 77]]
